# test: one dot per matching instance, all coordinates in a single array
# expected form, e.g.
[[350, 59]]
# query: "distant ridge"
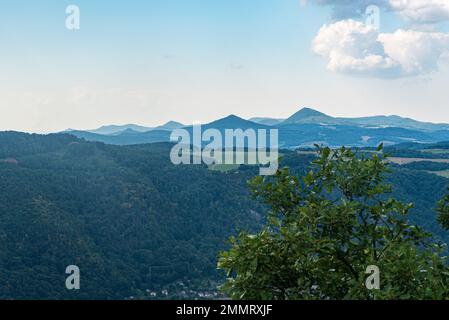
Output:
[[234, 122], [397, 121], [304, 128], [311, 116], [129, 129], [113, 129], [171, 125], [267, 121], [308, 115]]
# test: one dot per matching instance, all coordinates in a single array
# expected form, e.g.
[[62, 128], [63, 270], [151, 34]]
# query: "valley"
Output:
[[135, 224]]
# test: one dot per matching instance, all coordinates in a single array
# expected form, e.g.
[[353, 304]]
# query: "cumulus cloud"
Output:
[[354, 48], [416, 52], [421, 11]]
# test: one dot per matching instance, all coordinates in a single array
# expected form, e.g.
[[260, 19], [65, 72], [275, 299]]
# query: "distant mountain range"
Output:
[[131, 128], [267, 121], [311, 116], [303, 129]]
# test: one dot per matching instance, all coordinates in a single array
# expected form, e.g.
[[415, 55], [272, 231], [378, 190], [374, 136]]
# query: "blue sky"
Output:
[[149, 62]]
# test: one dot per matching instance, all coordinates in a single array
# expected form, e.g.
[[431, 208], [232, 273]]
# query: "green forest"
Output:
[[133, 222]]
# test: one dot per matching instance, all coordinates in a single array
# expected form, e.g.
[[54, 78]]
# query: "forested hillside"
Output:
[[126, 216], [131, 220]]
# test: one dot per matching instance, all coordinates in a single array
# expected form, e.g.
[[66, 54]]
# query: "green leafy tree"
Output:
[[325, 229]]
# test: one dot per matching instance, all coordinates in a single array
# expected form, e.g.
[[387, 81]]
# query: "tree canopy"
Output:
[[326, 228]]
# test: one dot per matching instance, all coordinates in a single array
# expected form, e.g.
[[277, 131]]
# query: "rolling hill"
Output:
[[303, 129], [132, 221], [125, 215]]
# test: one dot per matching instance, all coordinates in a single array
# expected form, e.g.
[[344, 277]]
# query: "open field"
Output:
[[224, 167], [444, 173], [436, 151], [402, 161]]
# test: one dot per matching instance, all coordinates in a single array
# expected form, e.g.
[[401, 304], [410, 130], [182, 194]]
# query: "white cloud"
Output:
[[416, 52], [421, 11], [354, 48]]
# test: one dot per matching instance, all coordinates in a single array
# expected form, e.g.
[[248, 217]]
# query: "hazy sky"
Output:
[[148, 62]]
